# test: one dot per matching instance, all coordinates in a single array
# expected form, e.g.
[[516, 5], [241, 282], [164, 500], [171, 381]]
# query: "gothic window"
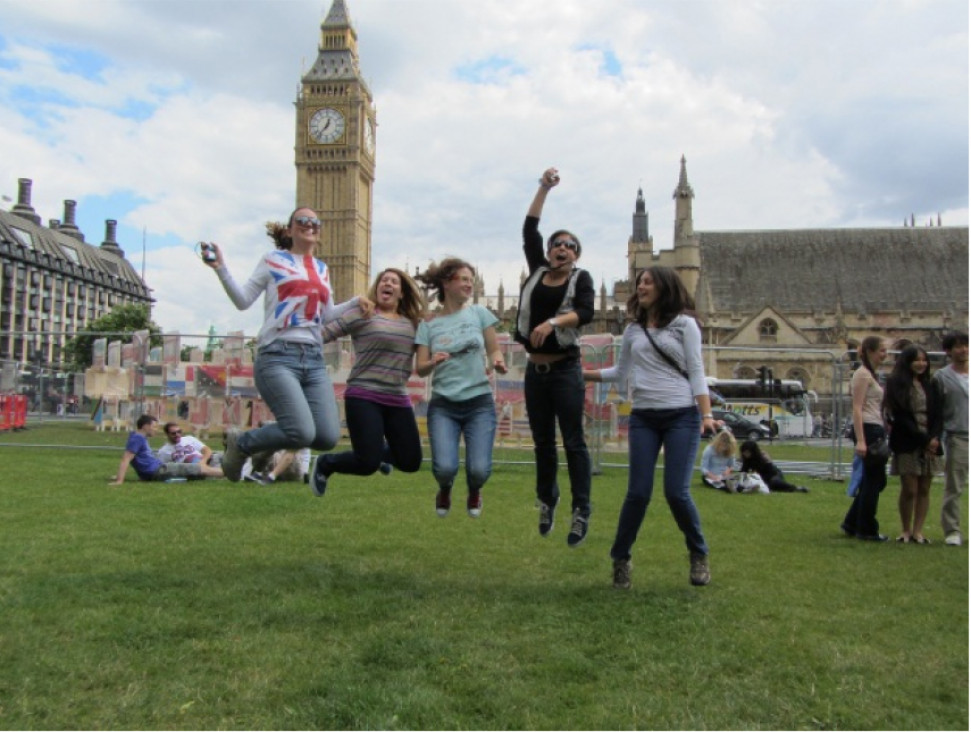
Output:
[[768, 329], [800, 375], [745, 372]]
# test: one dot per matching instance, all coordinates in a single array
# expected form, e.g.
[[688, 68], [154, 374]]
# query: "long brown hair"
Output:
[[673, 297], [438, 274], [412, 303]]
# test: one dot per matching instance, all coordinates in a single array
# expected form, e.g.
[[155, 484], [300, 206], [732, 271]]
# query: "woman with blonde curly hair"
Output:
[[289, 370], [380, 417]]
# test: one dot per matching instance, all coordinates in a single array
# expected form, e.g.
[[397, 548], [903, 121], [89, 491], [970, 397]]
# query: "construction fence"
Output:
[[206, 383]]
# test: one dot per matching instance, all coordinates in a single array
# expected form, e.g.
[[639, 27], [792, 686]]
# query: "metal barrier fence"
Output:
[[209, 386]]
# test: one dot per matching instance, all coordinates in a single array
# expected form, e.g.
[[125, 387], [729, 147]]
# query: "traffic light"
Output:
[[764, 376]]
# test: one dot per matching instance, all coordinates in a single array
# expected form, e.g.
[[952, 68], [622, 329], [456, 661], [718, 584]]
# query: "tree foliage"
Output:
[[119, 324]]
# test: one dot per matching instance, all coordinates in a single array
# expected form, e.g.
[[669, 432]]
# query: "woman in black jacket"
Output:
[[756, 461], [912, 410]]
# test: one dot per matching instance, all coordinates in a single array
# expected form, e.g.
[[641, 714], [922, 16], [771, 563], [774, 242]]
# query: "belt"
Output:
[[545, 368]]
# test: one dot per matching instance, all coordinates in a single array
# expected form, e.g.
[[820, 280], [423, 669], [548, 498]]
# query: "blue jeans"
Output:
[[293, 381], [679, 432], [475, 420], [551, 397]]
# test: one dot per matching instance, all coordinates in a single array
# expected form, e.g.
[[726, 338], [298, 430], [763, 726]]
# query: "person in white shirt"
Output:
[[660, 360], [182, 448]]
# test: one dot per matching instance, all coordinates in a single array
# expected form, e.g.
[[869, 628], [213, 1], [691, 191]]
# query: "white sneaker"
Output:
[[953, 539]]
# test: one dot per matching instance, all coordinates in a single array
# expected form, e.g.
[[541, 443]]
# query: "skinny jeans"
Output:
[[379, 433], [293, 381], [678, 431], [473, 420]]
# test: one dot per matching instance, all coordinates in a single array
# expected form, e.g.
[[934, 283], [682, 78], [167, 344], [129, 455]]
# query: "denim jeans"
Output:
[[679, 432], [551, 397], [856, 475], [378, 433], [293, 381], [475, 420], [861, 519]]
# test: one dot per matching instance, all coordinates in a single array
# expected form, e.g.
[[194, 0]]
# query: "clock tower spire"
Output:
[[334, 153]]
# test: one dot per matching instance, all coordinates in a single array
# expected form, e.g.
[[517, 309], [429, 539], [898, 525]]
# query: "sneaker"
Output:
[[953, 539], [546, 514], [578, 529], [700, 574], [801, 489], [255, 477], [233, 458], [443, 501], [386, 468], [318, 481], [474, 504], [622, 574]]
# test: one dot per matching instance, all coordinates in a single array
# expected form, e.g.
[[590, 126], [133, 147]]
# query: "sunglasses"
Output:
[[311, 221], [173, 433], [568, 243]]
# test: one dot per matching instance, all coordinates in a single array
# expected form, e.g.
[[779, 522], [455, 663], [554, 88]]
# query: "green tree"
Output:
[[119, 324]]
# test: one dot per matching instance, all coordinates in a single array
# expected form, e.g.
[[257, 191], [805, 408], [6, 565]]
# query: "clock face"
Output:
[[369, 136], [326, 125]]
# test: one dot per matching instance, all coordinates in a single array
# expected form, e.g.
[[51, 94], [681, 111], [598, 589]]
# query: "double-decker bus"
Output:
[[784, 405]]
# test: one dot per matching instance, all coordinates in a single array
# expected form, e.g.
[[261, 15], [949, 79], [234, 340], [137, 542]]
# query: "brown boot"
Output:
[[700, 574]]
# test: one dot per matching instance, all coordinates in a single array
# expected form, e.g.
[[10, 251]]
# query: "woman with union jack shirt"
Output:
[[289, 370]]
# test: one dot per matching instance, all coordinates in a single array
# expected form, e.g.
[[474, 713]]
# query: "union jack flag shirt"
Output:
[[298, 298]]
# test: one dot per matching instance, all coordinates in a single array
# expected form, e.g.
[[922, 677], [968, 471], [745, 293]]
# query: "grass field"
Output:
[[211, 605]]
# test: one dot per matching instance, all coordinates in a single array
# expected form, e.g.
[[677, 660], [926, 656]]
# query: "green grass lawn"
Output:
[[211, 605]]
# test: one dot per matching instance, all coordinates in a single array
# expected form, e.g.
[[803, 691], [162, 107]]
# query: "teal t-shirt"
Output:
[[463, 376]]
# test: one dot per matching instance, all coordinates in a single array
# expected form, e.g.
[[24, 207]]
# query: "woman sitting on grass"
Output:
[[718, 463], [756, 461]]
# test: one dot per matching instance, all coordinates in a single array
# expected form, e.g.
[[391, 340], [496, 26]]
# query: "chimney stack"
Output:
[[110, 244], [23, 207], [68, 226]]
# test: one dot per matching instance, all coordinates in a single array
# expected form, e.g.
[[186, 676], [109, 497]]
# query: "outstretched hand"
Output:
[[550, 178]]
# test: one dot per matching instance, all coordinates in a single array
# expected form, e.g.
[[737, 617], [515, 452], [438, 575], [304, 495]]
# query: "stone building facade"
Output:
[[53, 283]]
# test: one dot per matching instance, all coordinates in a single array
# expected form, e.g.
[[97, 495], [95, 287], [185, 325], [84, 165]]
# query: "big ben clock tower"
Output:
[[335, 153]]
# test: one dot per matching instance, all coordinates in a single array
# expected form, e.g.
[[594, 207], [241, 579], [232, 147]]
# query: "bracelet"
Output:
[[707, 416]]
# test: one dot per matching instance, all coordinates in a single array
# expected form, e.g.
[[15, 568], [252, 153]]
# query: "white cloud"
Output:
[[814, 113]]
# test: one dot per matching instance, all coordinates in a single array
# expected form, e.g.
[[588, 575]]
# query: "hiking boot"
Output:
[[622, 574], [700, 574], [474, 504], [386, 468], [443, 501], [578, 529], [233, 457], [546, 515], [318, 481]]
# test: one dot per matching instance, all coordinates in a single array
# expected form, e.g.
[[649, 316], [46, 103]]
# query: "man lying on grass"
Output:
[[139, 455]]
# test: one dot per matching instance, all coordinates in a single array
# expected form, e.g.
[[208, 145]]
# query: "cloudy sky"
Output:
[[176, 118]]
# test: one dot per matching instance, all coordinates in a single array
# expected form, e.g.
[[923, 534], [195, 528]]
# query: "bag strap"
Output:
[[671, 362]]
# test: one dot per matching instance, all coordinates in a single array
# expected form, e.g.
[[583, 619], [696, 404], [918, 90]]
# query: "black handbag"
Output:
[[878, 451]]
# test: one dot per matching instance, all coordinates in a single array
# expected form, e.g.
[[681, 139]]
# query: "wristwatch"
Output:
[[707, 416], [552, 322]]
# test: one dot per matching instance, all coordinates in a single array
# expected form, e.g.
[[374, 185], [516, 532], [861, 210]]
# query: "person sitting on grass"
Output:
[[185, 448], [718, 463], [281, 466], [756, 461], [139, 455]]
